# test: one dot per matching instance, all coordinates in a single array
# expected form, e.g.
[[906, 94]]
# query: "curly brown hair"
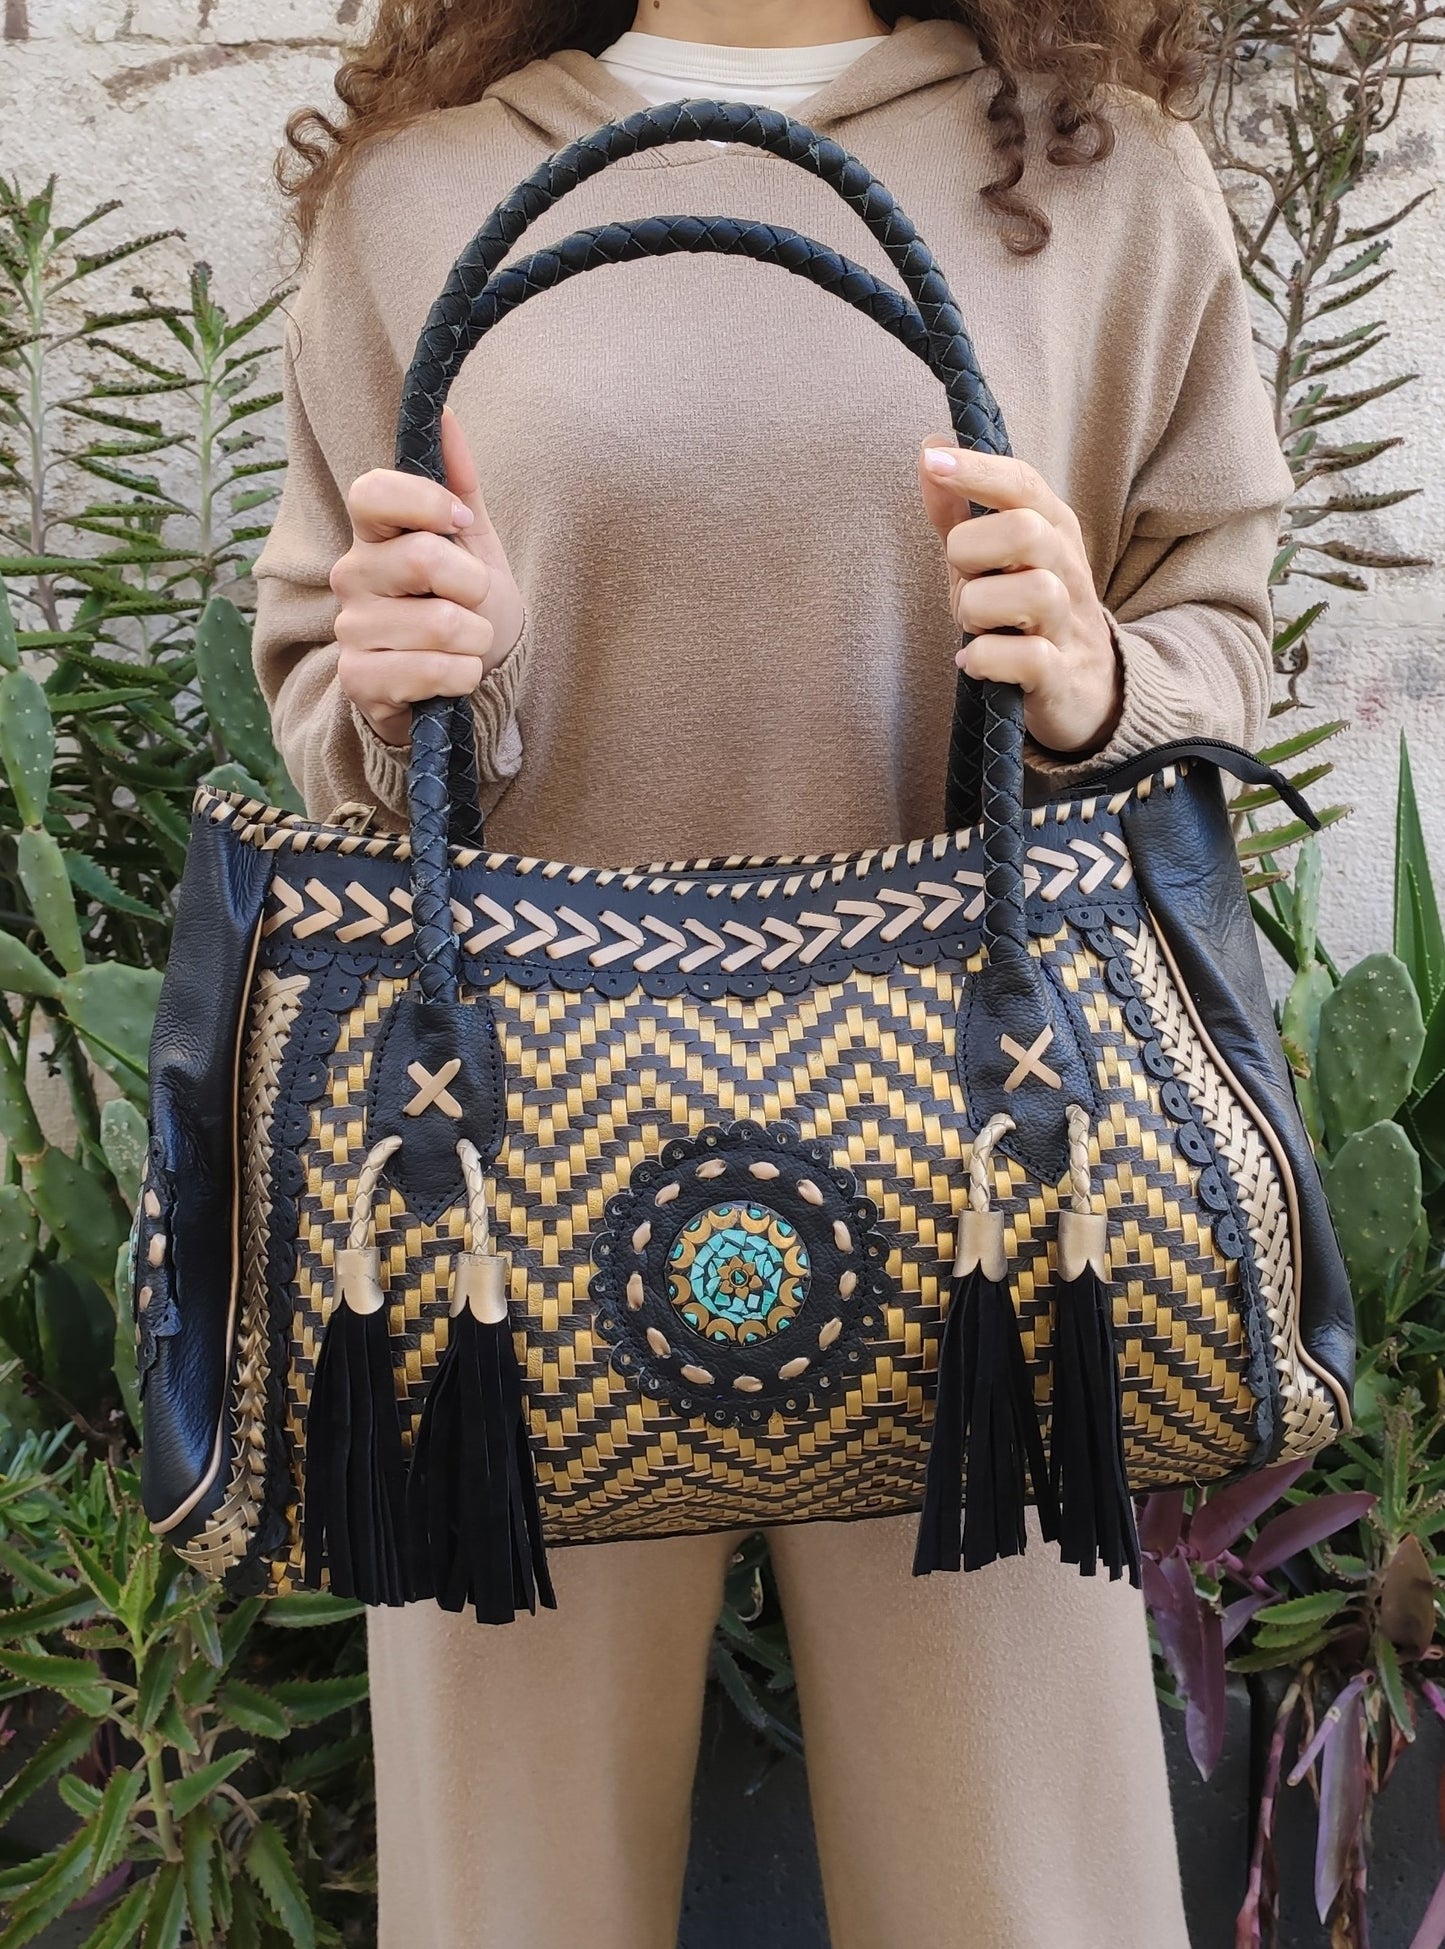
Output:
[[428, 54]]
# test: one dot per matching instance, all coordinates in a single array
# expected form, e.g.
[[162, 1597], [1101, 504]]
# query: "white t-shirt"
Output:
[[663, 70]]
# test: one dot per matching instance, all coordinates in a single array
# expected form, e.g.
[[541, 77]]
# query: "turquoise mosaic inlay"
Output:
[[738, 1272]]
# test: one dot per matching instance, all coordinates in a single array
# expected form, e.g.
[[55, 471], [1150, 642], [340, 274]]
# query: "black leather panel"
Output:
[[1185, 866], [1016, 1027], [193, 1125], [436, 1077]]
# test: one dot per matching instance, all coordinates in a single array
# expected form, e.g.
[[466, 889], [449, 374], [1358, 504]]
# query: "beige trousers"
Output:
[[983, 1752]]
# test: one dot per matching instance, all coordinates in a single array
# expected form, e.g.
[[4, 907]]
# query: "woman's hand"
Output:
[[1022, 568], [421, 616]]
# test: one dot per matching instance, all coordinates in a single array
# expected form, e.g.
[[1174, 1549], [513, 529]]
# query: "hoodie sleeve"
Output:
[[342, 386], [1188, 593]]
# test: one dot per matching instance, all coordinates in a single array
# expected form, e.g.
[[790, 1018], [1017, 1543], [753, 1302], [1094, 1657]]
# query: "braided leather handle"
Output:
[[986, 767]]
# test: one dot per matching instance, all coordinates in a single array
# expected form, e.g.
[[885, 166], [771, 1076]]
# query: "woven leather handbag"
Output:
[[495, 1199]]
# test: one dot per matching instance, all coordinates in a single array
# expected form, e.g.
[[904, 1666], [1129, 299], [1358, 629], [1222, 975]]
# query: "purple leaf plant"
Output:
[[1205, 1581]]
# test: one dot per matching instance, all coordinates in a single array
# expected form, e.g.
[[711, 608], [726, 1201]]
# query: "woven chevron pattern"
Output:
[[598, 1084]]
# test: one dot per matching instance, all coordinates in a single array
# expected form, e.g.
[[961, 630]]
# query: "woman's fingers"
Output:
[[1018, 538], [994, 480], [1032, 600], [417, 564], [1027, 661], [384, 503], [377, 624], [384, 684]]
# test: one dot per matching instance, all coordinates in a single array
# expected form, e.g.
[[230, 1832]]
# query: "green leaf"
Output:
[[1308, 874], [122, 1923], [1300, 1032], [122, 1790], [101, 1581], [269, 1866], [166, 1910], [1373, 1186], [245, 1929], [1392, 1684], [61, 1750], [199, 1842], [157, 1679], [95, 883], [41, 867], [301, 1609], [27, 743], [113, 1007], [77, 1208], [253, 1712], [79, 1795], [48, 1898], [1370, 1037], [192, 1789], [1290, 748], [307, 1701], [1419, 936], [24, 973], [75, 1325], [9, 645], [235, 778], [1297, 1612], [77, 1680], [71, 1606], [229, 689], [123, 1139], [19, 1237]]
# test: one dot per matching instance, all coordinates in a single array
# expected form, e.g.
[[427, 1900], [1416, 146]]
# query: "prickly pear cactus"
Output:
[[1300, 1033], [41, 865], [233, 699], [27, 743], [1373, 1186], [1370, 1037]]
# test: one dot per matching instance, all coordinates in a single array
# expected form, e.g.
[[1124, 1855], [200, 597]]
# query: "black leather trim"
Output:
[[1187, 871], [1002, 1020], [193, 1130], [455, 1045]]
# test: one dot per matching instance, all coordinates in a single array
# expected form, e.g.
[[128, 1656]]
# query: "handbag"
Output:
[[496, 1203]]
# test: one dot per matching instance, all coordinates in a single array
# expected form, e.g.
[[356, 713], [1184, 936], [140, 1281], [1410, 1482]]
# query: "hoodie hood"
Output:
[[570, 93]]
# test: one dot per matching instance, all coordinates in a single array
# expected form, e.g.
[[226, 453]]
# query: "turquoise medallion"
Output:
[[738, 1273]]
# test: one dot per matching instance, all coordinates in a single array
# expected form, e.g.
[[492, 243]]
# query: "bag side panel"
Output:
[[193, 1069], [1187, 869]]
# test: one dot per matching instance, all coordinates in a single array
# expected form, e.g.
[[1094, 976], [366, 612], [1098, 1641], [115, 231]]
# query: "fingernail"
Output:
[[462, 516], [940, 460]]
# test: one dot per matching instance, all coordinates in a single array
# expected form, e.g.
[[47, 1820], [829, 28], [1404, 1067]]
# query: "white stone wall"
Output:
[[177, 106]]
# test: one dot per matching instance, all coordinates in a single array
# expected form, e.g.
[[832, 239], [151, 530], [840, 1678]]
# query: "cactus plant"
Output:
[[27, 743], [229, 690], [123, 1139], [1370, 1037], [1300, 1032], [113, 1007], [1374, 1189], [41, 866]]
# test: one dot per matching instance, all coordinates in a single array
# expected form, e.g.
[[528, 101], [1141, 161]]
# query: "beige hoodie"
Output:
[[705, 471]]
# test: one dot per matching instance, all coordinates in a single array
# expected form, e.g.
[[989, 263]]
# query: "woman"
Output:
[[715, 555]]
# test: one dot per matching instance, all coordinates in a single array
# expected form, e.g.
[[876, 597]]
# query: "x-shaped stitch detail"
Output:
[[1028, 1062], [433, 1088]]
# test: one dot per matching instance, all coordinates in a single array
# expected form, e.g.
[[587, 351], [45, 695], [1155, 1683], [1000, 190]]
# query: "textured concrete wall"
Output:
[[177, 106]]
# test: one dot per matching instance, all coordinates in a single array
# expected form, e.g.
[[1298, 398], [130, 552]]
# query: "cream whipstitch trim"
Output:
[[1310, 1416], [227, 1534]]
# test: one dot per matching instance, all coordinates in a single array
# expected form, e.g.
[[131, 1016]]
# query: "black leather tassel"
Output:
[[354, 1519], [472, 1507], [1096, 1511], [986, 1450]]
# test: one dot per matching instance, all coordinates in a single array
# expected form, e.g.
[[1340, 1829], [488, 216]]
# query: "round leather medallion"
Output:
[[738, 1272]]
